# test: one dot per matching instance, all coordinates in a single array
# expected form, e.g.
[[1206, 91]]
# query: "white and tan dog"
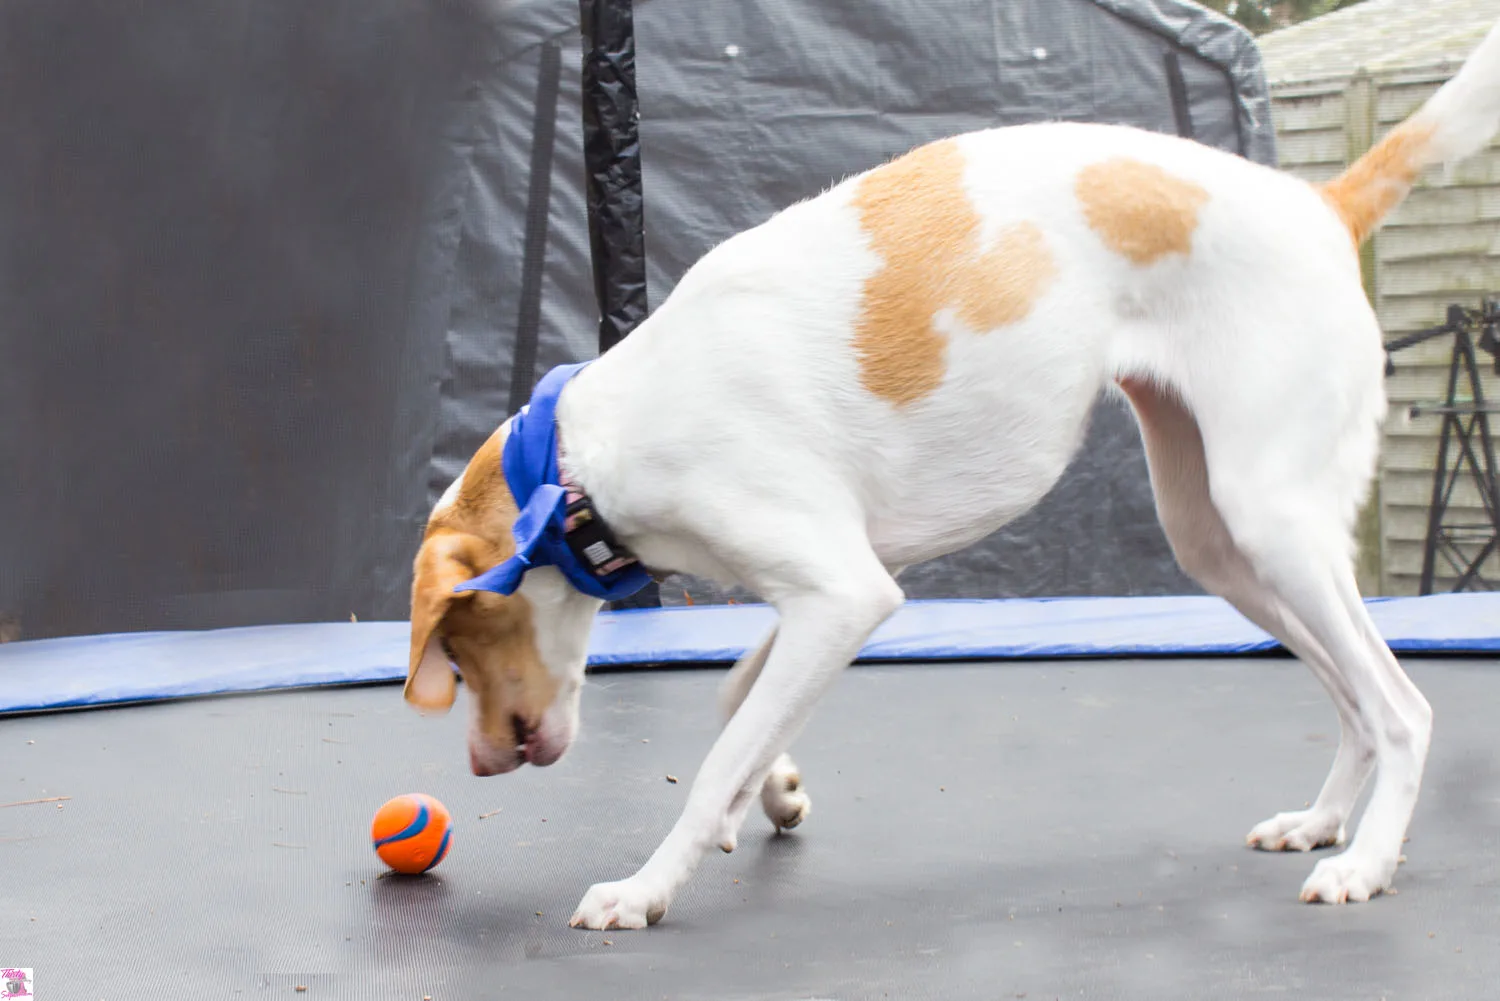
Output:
[[896, 368]]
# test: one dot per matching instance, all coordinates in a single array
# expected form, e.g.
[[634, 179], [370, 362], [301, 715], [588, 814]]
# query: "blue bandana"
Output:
[[542, 528]]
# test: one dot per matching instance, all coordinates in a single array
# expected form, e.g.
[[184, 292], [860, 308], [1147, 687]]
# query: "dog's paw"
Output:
[[626, 904], [1347, 879], [1299, 831], [782, 797]]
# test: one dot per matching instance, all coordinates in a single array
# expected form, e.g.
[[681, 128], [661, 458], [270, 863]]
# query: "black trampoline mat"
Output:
[[995, 831]]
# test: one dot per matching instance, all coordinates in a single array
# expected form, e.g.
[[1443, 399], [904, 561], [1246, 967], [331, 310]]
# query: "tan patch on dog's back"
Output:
[[1003, 283], [1140, 211], [921, 222]]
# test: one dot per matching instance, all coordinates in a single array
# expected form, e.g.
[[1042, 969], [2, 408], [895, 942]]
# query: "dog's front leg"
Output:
[[821, 632]]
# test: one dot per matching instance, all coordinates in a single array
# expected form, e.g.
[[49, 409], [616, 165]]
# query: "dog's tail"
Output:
[[1456, 122]]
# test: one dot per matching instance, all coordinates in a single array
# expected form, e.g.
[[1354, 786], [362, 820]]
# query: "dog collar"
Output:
[[558, 524]]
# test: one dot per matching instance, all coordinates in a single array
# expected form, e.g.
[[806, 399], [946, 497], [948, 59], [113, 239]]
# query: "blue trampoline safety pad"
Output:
[[137, 667]]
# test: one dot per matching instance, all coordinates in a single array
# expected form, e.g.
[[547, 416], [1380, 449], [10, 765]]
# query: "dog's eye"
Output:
[[447, 649]]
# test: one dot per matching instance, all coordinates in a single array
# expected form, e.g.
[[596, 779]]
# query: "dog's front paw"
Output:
[[626, 904], [1300, 831], [783, 798], [1347, 879]]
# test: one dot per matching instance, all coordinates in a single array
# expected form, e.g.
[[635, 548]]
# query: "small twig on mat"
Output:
[[32, 802]]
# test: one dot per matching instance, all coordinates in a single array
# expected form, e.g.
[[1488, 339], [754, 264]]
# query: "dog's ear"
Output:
[[440, 567]]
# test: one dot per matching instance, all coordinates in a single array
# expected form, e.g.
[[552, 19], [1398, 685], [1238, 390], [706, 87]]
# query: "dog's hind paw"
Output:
[[626, 904], [1299, 831], [1345, 879], [786, 803]]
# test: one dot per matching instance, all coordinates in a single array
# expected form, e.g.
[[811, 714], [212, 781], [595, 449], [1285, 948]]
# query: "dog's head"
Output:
[[521, 656]]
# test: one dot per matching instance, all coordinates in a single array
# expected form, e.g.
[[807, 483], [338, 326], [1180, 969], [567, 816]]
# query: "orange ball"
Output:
[[411, 832]]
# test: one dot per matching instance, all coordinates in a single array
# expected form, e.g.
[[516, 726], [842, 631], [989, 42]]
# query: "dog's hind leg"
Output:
[[1203, 547], [1305, 561], [831, 593], [782, 795], [1402, 726], [1288, 452]]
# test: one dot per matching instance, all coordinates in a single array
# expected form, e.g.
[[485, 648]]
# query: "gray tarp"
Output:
[[260, 261]]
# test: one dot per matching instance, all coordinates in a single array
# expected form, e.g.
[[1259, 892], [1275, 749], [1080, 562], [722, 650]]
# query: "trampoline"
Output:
[[267, 306], [1059, 825]]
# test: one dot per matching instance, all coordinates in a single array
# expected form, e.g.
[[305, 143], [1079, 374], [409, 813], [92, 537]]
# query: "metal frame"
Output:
[[1466, 425]]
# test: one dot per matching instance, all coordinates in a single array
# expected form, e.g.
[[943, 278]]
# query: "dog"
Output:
[[895, 368]]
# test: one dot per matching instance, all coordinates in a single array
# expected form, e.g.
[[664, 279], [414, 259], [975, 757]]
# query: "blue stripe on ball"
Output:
[[411, 830], [442, 849]]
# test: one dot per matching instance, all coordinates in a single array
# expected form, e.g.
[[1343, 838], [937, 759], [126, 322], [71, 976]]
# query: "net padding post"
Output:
[[612, 164], [612, 185]]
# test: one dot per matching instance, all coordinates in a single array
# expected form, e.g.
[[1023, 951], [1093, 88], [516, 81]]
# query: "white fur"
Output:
[[730, 436], [450, 495], [1465, 112], [561, 618]]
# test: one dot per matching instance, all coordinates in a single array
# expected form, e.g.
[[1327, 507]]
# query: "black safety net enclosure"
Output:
[[270, 271]]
